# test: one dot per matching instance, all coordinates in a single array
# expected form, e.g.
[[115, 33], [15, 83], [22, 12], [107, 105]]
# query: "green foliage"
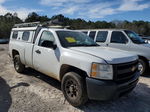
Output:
[[7, 21], [34, 17]]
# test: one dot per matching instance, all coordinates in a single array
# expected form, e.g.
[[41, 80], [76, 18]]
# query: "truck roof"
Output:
[[102, 29]]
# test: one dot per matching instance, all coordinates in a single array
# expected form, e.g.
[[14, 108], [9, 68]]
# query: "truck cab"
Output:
[[74, 59]]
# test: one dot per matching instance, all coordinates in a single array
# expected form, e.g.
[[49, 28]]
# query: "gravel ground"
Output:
[[35, 92]]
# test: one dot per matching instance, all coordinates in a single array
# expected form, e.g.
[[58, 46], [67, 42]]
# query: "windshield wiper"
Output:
[[84, 45], [91, 45], [137, 42]]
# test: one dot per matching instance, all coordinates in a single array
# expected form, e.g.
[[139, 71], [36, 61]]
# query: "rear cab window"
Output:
[[25, 35], [15, 35], [101, 36], [92, 34]]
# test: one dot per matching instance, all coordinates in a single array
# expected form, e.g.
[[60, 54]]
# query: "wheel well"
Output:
[[67, 68], [14, 52], [144, 59]]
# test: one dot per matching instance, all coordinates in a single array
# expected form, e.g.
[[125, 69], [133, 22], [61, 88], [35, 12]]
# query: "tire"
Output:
[[74, 89], [142, 67], [19, 67]]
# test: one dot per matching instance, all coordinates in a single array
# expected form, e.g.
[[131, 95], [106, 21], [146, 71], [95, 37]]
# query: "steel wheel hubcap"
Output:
[[16, 64], [140, 68], [71, 89]]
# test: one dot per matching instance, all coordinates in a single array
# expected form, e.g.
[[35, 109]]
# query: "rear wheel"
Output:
[[19, 67], [74, 89], [142, 67]]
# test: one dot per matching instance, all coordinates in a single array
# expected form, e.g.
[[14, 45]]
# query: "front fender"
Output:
[[79, 60]]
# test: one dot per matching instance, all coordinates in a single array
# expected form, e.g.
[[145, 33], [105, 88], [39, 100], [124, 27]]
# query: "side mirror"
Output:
[[48, 44]]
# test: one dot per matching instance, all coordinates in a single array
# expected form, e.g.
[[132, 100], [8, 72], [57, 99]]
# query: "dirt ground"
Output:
[[35, 92]]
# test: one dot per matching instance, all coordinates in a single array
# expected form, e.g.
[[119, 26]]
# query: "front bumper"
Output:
[[109, 90]]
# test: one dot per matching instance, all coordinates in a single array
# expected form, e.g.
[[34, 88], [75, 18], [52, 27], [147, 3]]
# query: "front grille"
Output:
[[124, 72]]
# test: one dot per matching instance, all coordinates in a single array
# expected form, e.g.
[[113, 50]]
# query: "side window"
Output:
[[26, 35], [46, 36], [101, 36], [118, 37], [15, 35], [92, 34]]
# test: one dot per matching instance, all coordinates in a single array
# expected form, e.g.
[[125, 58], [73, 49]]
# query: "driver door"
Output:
[[119, 40], [44, 58]]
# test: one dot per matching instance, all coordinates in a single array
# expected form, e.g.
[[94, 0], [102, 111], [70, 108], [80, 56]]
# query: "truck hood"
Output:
[[110, 55]]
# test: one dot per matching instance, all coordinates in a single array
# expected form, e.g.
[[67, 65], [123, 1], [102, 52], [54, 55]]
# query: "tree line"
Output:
[[7, 22]]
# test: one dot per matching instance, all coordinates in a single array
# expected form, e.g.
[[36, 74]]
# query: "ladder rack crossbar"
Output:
[[48, 24]]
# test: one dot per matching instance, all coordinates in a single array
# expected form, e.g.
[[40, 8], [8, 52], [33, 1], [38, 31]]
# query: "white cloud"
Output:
[[102, 13], [132, 5], [94, 9], [70, 10], [2, 1], [3, 10], [22, 12], [61, 2], [99, 10]]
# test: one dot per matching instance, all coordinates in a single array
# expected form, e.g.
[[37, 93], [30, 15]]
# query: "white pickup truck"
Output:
[[85, 69]]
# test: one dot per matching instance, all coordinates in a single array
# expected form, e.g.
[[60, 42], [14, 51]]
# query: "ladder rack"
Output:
[[31, 24], [48, 24]]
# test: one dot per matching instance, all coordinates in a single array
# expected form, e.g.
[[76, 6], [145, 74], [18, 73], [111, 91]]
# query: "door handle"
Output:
[[38, 51]]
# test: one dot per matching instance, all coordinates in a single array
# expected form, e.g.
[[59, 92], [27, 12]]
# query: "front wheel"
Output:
[[142, 67], [74, 89]]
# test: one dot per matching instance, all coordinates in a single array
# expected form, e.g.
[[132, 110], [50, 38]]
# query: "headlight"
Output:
[[102, 71]]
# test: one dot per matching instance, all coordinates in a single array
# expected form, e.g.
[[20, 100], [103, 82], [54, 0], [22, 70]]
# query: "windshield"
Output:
[[74, 39], [134, 37]]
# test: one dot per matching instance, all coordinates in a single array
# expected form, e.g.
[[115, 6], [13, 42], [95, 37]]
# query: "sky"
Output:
[[93, 10]]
